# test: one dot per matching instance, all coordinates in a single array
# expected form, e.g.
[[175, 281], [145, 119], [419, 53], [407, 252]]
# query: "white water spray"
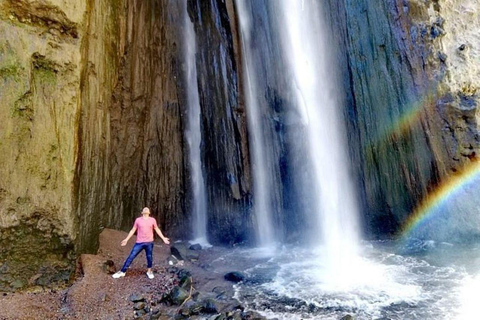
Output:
[[194, 138], [307, 49], [261, 181]]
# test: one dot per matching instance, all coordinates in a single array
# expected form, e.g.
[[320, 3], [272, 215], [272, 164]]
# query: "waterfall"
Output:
[[194, 138], [262, 182], [308, 52]]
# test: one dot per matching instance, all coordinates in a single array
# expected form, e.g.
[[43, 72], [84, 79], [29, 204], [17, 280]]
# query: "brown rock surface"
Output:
[[131, 131], [95, 294], [40, 67]]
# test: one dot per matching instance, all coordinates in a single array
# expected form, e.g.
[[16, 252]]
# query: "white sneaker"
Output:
[[118, 274], [150, 275]]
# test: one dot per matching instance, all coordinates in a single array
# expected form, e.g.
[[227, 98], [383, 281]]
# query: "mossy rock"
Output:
[[33, 254], [44, 70], [13, 71]]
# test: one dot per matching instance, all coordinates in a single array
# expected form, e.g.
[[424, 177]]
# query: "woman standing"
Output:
[[144, 227]]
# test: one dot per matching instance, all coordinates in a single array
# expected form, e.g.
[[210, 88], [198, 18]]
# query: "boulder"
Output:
[[234, 276], [178, 295], [44, 280], [191, 308], [195, 247], [186, 282], [347, 317], [210, 306], [179, 251]]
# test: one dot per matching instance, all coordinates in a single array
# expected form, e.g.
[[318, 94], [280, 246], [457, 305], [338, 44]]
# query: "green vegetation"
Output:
[[44, 70], [11, 71], [45, 76]]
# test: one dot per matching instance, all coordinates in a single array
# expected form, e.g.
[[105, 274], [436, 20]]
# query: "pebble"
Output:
[[109, 267], [134, 297], [139, 305]]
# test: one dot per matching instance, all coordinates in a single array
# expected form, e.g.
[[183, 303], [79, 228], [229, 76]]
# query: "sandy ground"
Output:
[[96, 295]]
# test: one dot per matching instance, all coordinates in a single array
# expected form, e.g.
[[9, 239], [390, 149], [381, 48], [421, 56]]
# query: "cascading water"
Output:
[[426, 280], [261, 180], [306, 48], [194, 138]]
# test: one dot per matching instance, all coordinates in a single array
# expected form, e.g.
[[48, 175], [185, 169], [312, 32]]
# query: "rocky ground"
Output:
[[183, 289]]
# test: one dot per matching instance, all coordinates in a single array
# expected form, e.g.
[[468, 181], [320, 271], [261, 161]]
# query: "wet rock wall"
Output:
[[223, 121], [411, 100]]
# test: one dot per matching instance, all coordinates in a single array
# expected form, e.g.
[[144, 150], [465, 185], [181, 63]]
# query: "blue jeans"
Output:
[[137, 248]]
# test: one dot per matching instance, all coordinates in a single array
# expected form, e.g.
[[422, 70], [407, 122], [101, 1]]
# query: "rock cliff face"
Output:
[[130, 129], [412, 74], [92, 110], [40, 71]]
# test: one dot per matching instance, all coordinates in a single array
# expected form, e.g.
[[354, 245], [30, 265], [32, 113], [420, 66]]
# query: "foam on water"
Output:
[[383, 284], [469, 298], [201, 241]]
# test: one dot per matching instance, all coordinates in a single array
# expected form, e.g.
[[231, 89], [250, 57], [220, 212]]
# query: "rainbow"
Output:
[[404, 123], [407, 119], [439, 196]]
